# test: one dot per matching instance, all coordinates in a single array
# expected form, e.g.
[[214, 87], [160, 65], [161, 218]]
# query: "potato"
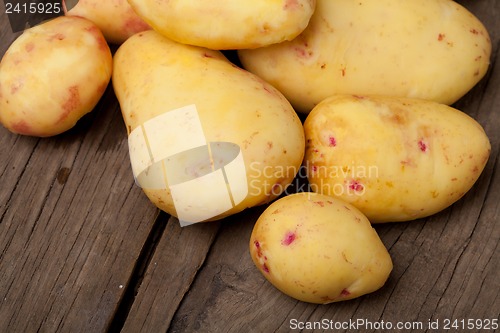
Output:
[[185, 97], [116, 18], [227, 24], [319, 249], [52, 75], [428, 49], [395, 159]]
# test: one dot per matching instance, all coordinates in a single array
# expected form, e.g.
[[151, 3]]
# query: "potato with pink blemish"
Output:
[[429, 49], [223, 25], [52, 75], [319, 249], [115, 18], [395, 159]]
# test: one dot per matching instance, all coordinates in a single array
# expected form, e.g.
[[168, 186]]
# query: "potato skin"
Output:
[[115, 18], [223, 25], [153, 75], [319, 249], [395, 159], [52, 75], [428, 49]]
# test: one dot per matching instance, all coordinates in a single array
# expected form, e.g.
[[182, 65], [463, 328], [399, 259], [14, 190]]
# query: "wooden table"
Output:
[[83, 250]]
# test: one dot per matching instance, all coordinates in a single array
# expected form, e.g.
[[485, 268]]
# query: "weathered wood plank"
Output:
[[72, 222], [72, 225], [177, 259]]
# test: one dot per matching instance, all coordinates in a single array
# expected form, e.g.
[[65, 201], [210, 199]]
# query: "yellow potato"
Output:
[[116, 18], [52, 75], [227, 24], [395, 159], [429, 49], [191, 96], [319, 249]]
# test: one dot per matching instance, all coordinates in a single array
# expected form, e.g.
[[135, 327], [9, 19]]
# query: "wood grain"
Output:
[[83, 250], [179, 256], [72, 225]]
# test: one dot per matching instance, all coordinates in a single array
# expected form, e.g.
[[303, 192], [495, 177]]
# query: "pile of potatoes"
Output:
[[373, 78]]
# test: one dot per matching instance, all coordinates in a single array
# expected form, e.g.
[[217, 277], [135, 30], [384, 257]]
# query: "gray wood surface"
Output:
[[83, 250]]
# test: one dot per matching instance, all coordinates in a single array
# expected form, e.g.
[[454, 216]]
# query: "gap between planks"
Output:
[[138, 272], [136, 308]]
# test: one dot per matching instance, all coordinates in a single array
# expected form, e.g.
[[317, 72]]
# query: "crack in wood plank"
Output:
[[137, 275], [176, 263], [16, 185]]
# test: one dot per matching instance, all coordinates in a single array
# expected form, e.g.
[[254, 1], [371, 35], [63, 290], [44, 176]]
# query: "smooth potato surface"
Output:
[[154, 75], [429, 49], [319, 249], [395, 159], [52, 75], [227, 24]]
